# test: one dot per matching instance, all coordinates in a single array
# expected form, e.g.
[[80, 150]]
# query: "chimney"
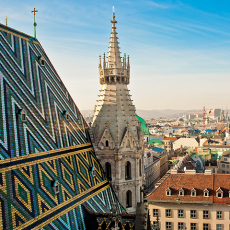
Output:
[[208, 172]]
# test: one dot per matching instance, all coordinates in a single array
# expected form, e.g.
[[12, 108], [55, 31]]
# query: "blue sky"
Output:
[[179, 50]]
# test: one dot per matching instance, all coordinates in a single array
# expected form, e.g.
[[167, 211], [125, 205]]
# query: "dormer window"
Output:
[[55, 186], [193, 192], [65, 114], [41, 60], [168, 192], [219, 193], [93, 171], [181, 192], [22, 115], [206, 193]]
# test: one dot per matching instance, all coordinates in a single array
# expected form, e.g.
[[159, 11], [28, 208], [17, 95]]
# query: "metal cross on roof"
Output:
[[35, 24]]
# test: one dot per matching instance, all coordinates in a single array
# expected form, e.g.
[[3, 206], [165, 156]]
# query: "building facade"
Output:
[[116, 136], [162, 154], [198, 201], [224, 163]]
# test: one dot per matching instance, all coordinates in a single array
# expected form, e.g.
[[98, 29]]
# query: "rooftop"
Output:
[[170, 138], [155, 141], [189, 181], [156, 149]]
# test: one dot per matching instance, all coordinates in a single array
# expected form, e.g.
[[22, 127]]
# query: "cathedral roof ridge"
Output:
[[17, 33]]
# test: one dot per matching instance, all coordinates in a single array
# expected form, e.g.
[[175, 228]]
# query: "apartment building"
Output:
[[224, 165], [185, 201]]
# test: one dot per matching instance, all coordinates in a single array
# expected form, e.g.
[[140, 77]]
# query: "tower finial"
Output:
[[113, 14], [99, 61], [6, 21], [34, 24]]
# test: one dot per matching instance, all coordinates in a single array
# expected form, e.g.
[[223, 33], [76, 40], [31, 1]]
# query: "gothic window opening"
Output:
[[140, 194], [128, 144], [106, 143], [128, 170], [108, 171], [128, 199], [140, 167]]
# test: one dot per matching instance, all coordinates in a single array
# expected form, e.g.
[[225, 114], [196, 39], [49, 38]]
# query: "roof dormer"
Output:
[[219, 193], [181, 192], [168, 192], [41, 60], [65, 114], [193, 192], [206, 193], [21, 113]]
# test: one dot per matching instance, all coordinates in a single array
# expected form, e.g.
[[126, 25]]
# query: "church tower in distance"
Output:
[[116, 136]]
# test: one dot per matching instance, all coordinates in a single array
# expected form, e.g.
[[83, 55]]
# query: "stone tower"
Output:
[[116, 136]]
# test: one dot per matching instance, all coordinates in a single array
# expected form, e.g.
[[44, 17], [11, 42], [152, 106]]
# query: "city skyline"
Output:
[[179, 50]]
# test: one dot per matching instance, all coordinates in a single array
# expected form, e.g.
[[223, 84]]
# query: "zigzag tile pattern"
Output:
[[44, 149]]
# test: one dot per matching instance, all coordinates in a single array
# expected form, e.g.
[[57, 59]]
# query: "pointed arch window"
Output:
[[108, 171], [128, 199], [140, 167], [128, 170], [128, 144], [106, 143]]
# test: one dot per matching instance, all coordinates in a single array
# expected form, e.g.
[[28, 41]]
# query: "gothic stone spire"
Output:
[[114, 70]]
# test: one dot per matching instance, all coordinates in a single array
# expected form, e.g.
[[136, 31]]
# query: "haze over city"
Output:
[[179, 50]]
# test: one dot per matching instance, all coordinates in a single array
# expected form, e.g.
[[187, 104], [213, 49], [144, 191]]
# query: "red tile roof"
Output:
[[170, 138], [188, 181]]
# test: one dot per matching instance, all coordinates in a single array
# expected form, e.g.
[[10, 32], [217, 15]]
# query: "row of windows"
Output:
[[128, 175], [219, 192], [223, 166], [193, 213], [193, 226]]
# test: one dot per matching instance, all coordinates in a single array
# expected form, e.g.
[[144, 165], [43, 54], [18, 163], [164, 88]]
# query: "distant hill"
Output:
[[164, 113]]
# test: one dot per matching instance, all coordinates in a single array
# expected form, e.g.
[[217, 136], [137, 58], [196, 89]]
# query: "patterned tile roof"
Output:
[[188, 181], [48, 168]]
